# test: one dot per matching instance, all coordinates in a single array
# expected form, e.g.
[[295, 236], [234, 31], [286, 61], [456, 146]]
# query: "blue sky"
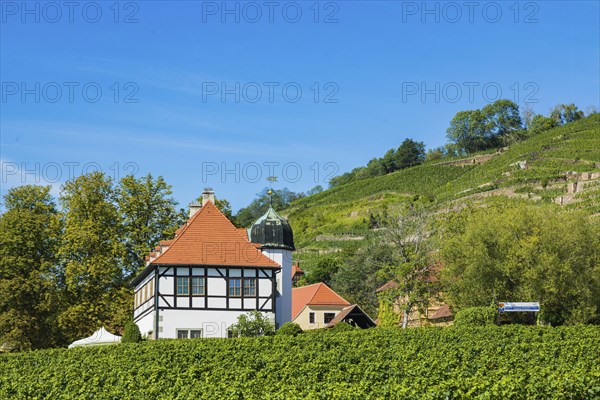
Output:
[[225, 94]]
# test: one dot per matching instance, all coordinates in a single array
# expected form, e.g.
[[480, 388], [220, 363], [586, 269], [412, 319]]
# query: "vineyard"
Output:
[[548, 156], [511, 362]]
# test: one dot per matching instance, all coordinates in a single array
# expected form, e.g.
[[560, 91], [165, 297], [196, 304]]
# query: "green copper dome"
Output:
[[272, 231]]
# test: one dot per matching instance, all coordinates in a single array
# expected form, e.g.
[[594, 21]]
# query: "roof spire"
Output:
[[270, 192]]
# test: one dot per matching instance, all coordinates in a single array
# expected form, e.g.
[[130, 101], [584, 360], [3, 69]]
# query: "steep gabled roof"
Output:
[[313, 295], [209, 238], [353, 314]]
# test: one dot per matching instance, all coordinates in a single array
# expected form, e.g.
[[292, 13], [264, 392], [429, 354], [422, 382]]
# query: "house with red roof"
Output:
[[436, 313], [318, 306], [210, 273]]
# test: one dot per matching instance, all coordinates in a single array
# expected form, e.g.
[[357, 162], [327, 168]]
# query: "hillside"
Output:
[[514, 362], [541, 169]]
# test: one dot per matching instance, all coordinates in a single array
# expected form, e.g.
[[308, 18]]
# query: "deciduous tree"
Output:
[[29, 278]]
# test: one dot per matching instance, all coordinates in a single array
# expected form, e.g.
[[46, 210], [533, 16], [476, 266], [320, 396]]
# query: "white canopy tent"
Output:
[[99, 338]]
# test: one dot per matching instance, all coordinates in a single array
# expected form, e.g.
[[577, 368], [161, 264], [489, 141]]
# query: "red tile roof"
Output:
[[296, 270], [316, 294], [243, 231], [209, 238]]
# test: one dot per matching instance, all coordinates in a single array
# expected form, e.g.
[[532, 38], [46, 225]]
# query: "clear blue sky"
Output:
[[362, 67]]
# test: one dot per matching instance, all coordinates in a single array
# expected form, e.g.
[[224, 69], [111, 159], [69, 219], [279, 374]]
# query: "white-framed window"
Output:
[[311, 317], [235, 287], [249, 286], [198, 286], [195, 333], [183, 286], [182, 333], [189, 333]]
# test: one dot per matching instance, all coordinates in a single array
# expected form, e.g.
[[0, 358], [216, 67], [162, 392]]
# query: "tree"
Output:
[[565, 113], [131, 333], [252, 324], [527, 116], [468, 131], [435, 154], [316, 190], [476, 130], [524, 253], [503, 122], [93, 255], [323, 271], [361, 273], [29, 275], [409, 154], [539, 123], [388, 161], [412, 266], [148, 213]]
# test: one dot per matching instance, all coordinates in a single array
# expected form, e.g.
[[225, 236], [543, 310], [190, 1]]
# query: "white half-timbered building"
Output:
[[200, 282]]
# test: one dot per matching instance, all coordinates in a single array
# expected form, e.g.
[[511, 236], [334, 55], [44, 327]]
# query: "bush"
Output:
[[132, 333], [476, 316], [289, 329], [252, 324], [342, 327]]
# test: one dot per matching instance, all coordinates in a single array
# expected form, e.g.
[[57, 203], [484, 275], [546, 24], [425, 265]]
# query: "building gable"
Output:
[[209, 238]]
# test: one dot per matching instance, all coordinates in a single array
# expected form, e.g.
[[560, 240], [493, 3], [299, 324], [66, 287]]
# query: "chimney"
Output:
[[194, 208], [208, 195]]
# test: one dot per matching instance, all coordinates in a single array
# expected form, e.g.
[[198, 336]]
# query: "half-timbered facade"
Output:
[[198, 284]]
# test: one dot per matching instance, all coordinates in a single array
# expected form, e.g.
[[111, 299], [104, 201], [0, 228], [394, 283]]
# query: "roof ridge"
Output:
[[320, 284]]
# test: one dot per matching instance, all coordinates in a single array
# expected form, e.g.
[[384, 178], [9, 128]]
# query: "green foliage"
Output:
[[386, 316], [476, 316], [92, 254], [357, 279], [476, 130], [148, 213], [412, 266], [323, 271], [510, 362], [539, 123], [289, 329], [524, 253], [132, 333], [29, 280], [565, 113], [252, 324], [341, 327], [409, 154]]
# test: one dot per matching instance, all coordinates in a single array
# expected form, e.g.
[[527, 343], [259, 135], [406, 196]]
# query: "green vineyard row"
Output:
[[511, 362]]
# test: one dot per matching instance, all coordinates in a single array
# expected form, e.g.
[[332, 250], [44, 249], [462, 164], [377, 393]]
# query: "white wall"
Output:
[[212, 323], [303, 318], [146, 325], [283, 301]]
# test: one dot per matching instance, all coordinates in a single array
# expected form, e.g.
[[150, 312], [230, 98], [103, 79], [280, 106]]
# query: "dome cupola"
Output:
[[272, 231]]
